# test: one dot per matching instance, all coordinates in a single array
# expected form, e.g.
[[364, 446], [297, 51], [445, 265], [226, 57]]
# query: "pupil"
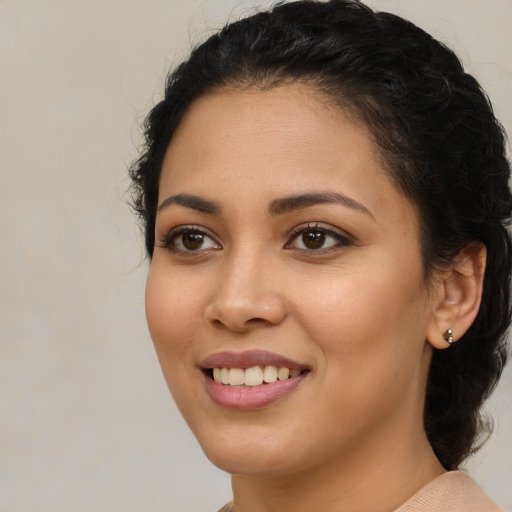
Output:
[[313, 240], [192, 240]]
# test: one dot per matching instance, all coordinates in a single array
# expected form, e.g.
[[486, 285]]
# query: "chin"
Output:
[[251, 464], [249, 454]]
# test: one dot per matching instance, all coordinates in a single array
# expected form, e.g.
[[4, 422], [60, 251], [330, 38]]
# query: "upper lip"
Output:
[[248, 359]]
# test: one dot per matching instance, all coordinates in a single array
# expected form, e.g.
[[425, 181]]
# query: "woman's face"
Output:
[[283, 247]]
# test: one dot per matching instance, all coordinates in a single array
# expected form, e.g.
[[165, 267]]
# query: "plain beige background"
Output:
[[86, 420]]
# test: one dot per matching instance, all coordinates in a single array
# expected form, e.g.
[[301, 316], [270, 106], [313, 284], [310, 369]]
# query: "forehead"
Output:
[[303, 123], [276, 142]]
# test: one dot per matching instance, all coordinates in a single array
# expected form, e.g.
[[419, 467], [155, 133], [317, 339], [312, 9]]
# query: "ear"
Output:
[[458, 295]]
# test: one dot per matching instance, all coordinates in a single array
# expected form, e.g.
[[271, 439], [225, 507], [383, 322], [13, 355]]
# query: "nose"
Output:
[[246, 295]]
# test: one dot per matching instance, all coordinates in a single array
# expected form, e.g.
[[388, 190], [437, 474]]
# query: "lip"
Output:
[[250, 398], [247, 359], [247, 397]]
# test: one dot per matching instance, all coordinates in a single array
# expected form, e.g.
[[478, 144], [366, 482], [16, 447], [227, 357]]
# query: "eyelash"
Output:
[[343, 240], [169, 241]]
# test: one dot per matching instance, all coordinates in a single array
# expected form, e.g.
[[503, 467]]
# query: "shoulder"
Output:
[[454, 491]]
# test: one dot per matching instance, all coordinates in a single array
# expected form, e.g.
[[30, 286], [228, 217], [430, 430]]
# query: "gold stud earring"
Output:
[[448, 336]]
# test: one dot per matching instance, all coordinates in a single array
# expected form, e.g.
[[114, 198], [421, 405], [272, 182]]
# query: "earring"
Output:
[[448, 336]]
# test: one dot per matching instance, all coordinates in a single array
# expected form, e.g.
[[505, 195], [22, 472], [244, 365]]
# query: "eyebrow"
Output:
[[194, 202], [297, 202], [276, 207]]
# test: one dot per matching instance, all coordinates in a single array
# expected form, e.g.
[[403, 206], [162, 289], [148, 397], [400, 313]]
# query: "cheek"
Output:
[[172, 310], [369, 320], [372, 352]]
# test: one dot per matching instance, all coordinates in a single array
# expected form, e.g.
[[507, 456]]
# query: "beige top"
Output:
[[451, 492]]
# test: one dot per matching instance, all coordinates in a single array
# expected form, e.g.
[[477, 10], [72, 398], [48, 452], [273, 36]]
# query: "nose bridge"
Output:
[[247, 292]]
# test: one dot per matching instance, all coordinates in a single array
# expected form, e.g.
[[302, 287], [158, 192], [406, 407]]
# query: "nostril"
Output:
[[257, 321], [242, 312]]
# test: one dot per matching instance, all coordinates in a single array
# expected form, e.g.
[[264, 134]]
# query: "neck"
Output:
[[379, 477]]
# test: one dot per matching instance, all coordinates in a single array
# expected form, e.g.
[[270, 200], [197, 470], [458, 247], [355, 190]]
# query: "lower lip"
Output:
[[248, 397]]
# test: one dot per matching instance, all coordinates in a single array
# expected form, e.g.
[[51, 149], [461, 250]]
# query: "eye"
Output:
[[317, 238], [188, 239]]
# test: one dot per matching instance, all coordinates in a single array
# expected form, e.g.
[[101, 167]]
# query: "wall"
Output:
[[86, 421]]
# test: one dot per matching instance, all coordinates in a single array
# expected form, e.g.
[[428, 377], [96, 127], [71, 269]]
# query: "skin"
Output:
[[358, 311]]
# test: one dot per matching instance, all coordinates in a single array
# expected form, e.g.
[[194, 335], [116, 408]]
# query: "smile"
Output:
[[254, 376], [251, 379]]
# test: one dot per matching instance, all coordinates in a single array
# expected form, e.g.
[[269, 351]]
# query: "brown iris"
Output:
[[313, 239], [192, 241]]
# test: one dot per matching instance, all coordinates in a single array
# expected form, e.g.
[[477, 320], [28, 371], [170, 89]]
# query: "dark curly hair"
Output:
[[436, 131]]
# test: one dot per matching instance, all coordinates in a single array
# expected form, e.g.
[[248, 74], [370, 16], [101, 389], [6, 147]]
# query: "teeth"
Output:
[[254, 376], [270, 374], [224, 375], [283, 373], [236, 377]]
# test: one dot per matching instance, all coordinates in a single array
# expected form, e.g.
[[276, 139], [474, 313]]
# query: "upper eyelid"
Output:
[[319, 226], [167, 236], [189, 227], [292, 233]]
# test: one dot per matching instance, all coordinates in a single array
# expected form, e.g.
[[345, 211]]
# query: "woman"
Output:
[[325, 199]]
